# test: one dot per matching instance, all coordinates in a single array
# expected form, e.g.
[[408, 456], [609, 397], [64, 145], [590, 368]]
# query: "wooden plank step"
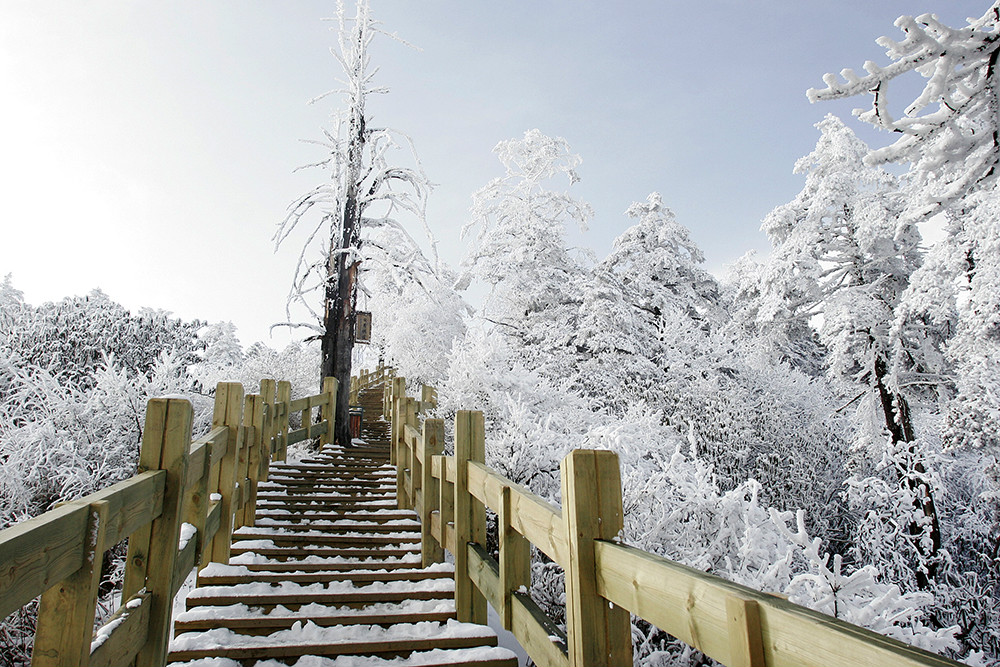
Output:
[[306, 510], [302, 498], [265, 625], [372, 565], [336, 488], [330, 527], [350, 465], [312, 539], [278, 553], [269, 576], [328, 480], [385, 648], [316, 508], [295, 600], [374, 517]]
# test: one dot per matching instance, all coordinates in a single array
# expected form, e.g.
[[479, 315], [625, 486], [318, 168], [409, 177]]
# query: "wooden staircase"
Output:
[[331, 568]]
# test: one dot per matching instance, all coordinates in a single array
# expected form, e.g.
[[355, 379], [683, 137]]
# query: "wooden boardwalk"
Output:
[[331, 568]]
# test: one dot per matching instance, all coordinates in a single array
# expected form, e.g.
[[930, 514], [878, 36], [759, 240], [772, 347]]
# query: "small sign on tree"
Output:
[[363, 334]]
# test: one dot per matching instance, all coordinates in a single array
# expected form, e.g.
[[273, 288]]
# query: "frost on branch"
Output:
[[365, 188], [859, 597], [950, 132]]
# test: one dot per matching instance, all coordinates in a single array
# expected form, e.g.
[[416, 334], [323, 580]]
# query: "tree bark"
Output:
[[912, 473], [341, 283]]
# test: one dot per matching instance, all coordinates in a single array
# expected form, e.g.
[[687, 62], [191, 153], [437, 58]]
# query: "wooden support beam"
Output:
[[284, 398], [328, 409], [255, 455], [398, 392], [267, 391], [166, 440], [515, 559]]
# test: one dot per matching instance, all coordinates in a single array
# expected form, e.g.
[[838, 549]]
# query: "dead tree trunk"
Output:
[[341, 283]]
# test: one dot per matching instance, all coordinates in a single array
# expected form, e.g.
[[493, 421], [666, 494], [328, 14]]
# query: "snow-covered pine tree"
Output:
[[840, 253], [520, 249]]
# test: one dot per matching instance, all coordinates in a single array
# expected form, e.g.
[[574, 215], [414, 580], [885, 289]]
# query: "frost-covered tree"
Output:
[[950, 133], [519, 249], [365, 192], [416, 323], [645, 306], [72, 337], [839, 252]]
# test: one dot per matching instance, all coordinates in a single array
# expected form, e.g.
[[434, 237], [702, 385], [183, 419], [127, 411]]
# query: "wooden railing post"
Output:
[[404, 453], [152, 550], [328, 411], [229, 413], [396, 432], [284, 398], [428, 397], [255, 444], [432, 443], [515, 559], [66, 611], [243, 462], [267, 390], [470, 514], [598, 634]]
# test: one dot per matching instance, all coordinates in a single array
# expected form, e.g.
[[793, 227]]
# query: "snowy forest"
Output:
[[821, 421]]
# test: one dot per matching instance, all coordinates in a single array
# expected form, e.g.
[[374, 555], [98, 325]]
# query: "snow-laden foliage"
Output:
[[73, 336], [859, 596], [60, 440], [519, 249], [718, 421], [415, 323], [72, 410], [949, 132], [840, 253]]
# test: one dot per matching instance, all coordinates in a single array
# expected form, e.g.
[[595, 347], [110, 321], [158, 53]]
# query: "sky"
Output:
[[150, 149]]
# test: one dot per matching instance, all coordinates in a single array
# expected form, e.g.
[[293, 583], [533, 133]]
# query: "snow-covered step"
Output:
[[259, 563], [293, 553], [330, 572], [281, 537], [377, 516], [336, 524], [304, 639], [242, 619], [325, 469], [334, 594], [217, 574]]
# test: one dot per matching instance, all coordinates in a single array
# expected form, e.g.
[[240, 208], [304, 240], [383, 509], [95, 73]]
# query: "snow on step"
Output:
[[329, 575], [309, 639]]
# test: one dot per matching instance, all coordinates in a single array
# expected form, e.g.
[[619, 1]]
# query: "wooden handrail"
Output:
[[605, 579], [210, 484]]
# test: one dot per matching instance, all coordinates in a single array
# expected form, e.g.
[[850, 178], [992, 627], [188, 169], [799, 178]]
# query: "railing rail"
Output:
[[177, 512], [605, 579]]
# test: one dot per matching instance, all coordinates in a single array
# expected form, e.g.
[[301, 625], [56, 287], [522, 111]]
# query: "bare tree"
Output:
[[364, 193]]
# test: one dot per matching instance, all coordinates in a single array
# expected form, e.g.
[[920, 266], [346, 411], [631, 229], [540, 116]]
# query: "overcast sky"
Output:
[[148, 148]]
